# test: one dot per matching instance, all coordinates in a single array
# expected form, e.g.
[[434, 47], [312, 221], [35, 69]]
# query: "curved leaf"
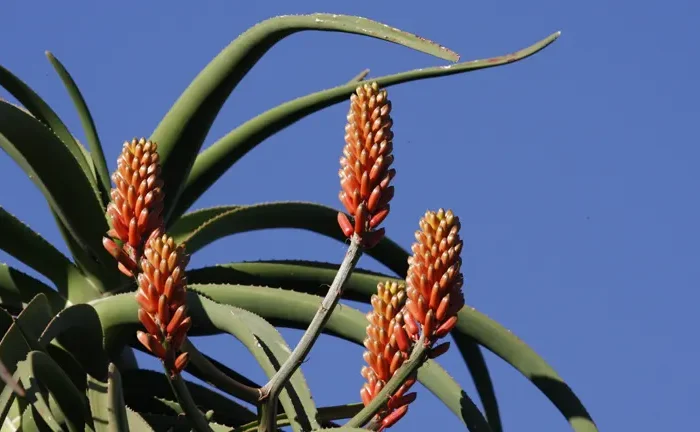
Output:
[[137, 422], [17, 288], [296, 310], [213, 162], [225, 221], [99, 164], [79, 332], [283, 308], [68, 190], [187, 123], [216, 374], [107, 403], [29, 247], [38, 108], [472, 328], [515, 352], [314, 277], [42, 377], [149, 391], [17, 342], [269, 349]]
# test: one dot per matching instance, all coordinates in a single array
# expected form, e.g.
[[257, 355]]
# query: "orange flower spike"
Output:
[[434, 280], [365, 171], [137, 200], [388, 346], [161, 297]]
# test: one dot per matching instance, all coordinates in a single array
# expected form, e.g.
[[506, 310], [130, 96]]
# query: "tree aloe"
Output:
[[67, 350]]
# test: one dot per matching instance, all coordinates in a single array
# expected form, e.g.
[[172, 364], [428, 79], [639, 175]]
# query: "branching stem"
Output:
[[270, 391]]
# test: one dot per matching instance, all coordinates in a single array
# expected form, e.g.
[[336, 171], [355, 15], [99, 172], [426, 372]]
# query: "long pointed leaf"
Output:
[[307, 216], [35, 105], [515, 352], [77, 328], [17, 287], [137, 422], [288, 309], [472, 328], [269, 349], [149, 391], [313, 277], [99, 164], [213, 162], [69, 408], [25, 244], [187, 123], [68, 190]]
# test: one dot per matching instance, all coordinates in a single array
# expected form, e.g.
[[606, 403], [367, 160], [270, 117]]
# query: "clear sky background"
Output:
[[574, 172]]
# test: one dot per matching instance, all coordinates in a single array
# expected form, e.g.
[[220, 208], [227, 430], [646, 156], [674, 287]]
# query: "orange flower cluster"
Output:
[[144, 250], [434, 278], [385, 353], [365, 174], [161, 297], [137, 202]]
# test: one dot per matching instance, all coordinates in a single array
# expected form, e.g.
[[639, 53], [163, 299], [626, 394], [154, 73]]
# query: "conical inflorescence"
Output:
[[365, 172], [161, 296], [137, 203], [385, 353], [434, 281]]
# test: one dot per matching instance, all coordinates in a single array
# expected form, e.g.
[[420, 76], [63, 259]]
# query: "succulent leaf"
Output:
[[95, 158], [56, 399], [38, 108], [78, 330], [17, 287], [68, 191], [25, 244], [149, 391], [186, 124], [214, 161], [290, 214]]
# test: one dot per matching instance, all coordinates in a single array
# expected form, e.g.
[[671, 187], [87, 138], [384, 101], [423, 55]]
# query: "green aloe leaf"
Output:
[[215, 373], [97, 158], [149, 391], [38, 108], [187, 123], [78, 330], [44, 379], [325, 415], [38, 151], [116, 408], [17, 287], [518, 354], [269, 349], [216, 377], [229, 220], [107, 402], [137, 422], [314, 277], [29, 247], [287, 309], [177, 423], [15, 344], [291, 309], [213, 162]]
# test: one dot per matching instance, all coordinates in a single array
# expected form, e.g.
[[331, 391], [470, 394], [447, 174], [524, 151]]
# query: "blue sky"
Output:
[[574, 172]]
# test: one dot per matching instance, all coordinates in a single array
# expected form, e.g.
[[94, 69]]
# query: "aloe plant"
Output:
[[67, 350]]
